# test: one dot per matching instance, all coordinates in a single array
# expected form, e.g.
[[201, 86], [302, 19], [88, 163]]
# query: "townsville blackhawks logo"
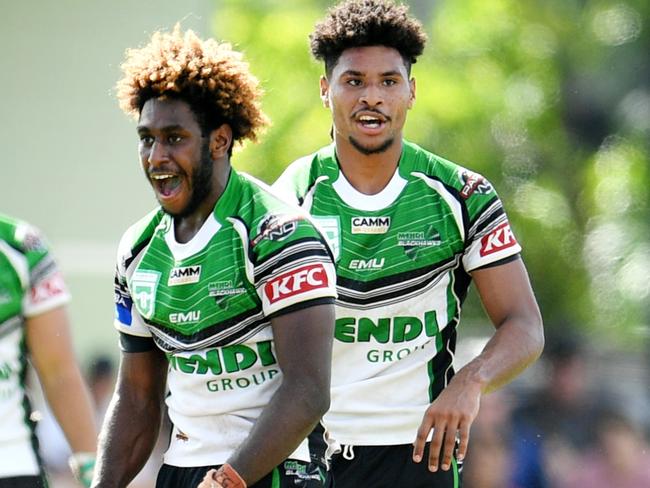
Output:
[[143, 289], [412, 242]]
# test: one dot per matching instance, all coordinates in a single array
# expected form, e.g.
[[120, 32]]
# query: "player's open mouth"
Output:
[[167, 185], [370, 123]]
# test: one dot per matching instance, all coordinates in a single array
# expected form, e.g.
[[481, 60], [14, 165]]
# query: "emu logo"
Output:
[[185, 317], [370, 225], [184, 275], [362, 264]]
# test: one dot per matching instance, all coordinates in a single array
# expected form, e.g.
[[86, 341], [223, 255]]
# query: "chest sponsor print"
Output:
[[412, 242], [369, 225], [184, 275]]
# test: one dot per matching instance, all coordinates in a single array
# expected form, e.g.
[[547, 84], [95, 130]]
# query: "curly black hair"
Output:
[[360, 23], [211, 77]]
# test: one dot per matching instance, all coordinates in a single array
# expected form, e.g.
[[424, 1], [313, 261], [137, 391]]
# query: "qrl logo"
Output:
[[499, 239], [299, 281]]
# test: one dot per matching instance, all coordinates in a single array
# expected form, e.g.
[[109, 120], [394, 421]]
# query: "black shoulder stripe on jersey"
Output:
[[463, 203], [219, 329], [507, 260], [482, 215], [396, 279], [302, 305], [136, 250], [319, 242], [298, 256]]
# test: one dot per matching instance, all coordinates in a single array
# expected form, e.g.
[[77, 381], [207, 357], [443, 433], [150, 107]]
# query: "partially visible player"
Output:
[[223, 291], [34, 328], [410, 231]]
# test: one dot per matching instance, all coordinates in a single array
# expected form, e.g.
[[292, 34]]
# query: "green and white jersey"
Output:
[[30, 284], [403, 258], [208, 303]]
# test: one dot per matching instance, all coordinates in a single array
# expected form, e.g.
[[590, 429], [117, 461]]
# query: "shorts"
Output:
[[290, 474], [388, 467], [23, 482]]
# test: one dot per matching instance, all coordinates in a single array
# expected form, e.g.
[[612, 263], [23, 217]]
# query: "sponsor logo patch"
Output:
[[184, 275], [276, 227], [473, 183], [499, 239], [301, 280], [224, 288], [185, 317], [370, 225], [412, 242], [363, 264], [50, 287]]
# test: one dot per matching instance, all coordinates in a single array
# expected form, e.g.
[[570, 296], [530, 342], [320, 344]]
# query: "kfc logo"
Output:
[[499, 239], [48, 288], [298, 281]]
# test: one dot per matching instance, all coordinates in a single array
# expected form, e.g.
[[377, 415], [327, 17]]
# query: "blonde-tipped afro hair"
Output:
[[211, 77]]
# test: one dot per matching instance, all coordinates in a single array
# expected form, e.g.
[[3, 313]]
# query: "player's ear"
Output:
[[220, 141], [412, 94], [325, 91]]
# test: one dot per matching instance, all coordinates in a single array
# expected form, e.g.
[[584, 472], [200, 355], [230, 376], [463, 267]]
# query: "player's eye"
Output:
[[174, 138]]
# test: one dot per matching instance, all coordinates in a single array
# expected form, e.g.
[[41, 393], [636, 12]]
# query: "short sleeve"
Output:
[[127, 319], [293, 264], [490, 238], [46, 288]]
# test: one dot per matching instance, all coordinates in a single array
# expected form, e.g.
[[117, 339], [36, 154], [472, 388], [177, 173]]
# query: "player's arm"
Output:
[[508, 299], [303, 344], [133, 418], [52, 354]]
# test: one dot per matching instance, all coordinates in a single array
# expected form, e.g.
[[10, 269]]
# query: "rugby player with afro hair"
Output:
[[224, 293]]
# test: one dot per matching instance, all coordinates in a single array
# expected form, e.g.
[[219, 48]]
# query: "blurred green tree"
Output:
[[550, 100]]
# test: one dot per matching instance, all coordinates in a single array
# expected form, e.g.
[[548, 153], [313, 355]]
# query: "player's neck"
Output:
[[368, 173], [186, 227]]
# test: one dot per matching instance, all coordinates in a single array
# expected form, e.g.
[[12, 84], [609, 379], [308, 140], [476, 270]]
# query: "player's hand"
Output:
[[450, 416], [224, 477], [82, 465]]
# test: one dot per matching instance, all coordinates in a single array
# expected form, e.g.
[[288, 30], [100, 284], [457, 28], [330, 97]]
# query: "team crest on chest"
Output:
[[144, 284], [330, 227]]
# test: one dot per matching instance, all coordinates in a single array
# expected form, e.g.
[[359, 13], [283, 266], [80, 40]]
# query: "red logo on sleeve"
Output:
[[48, 288], [301, 280], [499, 239]]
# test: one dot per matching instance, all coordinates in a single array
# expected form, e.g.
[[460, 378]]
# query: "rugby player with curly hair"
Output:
[[223, 293], [410, 231]]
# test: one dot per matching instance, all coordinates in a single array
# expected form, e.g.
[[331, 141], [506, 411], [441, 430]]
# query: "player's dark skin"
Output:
[[369, 94], [171, 145]]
